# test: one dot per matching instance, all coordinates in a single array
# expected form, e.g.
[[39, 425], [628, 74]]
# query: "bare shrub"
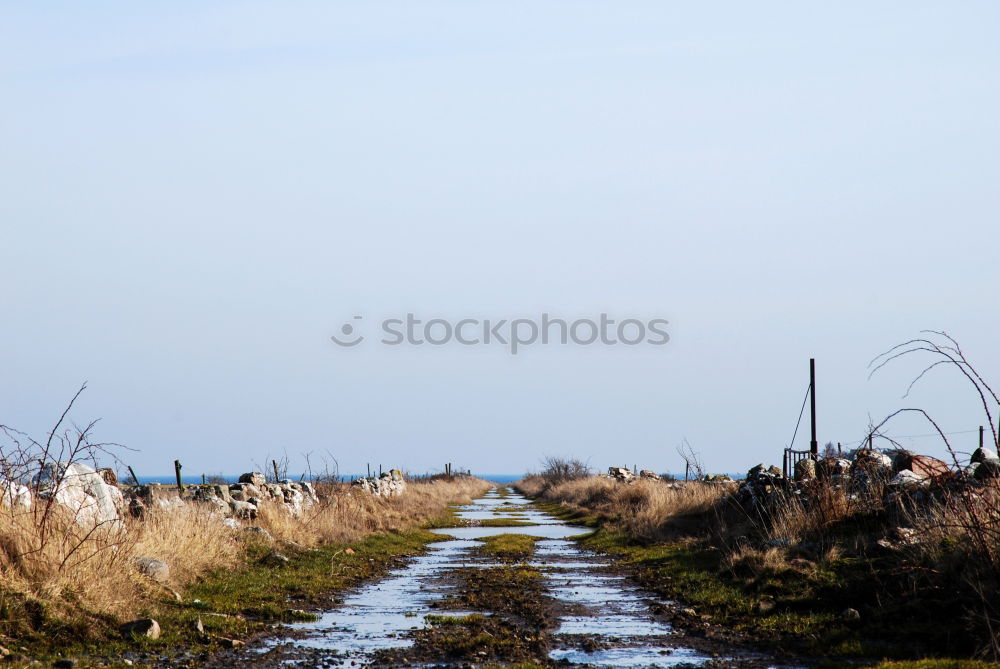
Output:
[[559, 470], [692, 460]]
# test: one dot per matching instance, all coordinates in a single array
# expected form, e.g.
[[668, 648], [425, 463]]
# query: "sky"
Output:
[[195, 196]]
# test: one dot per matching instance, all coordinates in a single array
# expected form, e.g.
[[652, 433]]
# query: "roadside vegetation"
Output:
[[886, 555], [67, 587], [831, 574]]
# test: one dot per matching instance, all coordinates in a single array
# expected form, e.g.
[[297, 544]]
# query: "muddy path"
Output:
[[462, 604]]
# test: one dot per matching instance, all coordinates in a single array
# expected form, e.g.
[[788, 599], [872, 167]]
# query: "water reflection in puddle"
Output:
[[631, 657], [381, 614]]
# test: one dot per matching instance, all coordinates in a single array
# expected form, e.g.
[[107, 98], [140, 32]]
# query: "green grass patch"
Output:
[[509, 508], [504, 522], [569, 515], [263, 592], [437, 619], [508, 547]]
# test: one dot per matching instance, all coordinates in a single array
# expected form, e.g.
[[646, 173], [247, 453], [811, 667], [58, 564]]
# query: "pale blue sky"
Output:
[[194, 196]]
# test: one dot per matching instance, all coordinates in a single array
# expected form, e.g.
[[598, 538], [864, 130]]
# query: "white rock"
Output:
[[15, 495], [983, 454], [906, 478], [83, 491], [158, 570], [243, 509], [253, 478]]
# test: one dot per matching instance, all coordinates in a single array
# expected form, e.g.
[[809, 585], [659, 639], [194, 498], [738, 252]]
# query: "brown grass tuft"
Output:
[[645, 509]]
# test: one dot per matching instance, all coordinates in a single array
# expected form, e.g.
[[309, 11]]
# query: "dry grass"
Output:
[[793, 519], [957, 536], [188, 539], [345, 514], [967, 516], [645, 509], [820, 543], [757, 561], [67, 563], [71, 572]]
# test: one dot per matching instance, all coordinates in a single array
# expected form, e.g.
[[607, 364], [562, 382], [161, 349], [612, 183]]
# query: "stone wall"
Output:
[[389, 484], [95, 498], [238, 500]]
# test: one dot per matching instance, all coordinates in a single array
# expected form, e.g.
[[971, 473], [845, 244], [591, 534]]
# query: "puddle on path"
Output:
[[607, 624]]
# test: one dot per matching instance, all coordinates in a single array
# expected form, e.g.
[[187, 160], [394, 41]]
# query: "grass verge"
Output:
[[239, 603], [791, 607]]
